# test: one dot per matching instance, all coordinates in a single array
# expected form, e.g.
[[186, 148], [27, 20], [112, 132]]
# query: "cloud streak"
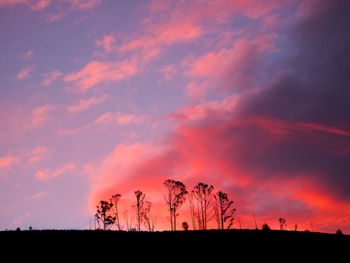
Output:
[[85, 104], [96, 72]]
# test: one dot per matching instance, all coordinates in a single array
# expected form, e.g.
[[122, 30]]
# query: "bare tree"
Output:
[[193, 211], [282, 223], [175, 198], [223, 210], [203, 193], [140, 198], [115, 201], [185, 226], [103, 214], [128, 222], [149, 222]]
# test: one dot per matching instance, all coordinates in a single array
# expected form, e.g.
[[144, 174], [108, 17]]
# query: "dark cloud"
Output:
[[315, 85], [314, 88]]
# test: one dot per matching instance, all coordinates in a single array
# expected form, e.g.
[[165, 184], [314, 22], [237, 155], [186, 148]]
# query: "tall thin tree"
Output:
[[149, 222], [224, 210], [203, 193], [192, 205], [103, 214], [115, 201], [140, 197], [175, 197]]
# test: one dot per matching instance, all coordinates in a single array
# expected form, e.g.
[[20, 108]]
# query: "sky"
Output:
[[99, 97]]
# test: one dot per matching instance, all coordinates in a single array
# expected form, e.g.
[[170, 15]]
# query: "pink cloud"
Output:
[[196, 90], [35, 197], [71, 131], [236, 65], [40, 4], [168, 71], [37, 154], [106, 43], [85, 104], [32, 4], [149, 43], [84, 4], [47, 174], [7, 161], [20, 219], [24, 73], [27, 55], [51, 77], [214, 145], [40, 115], [109, 118], [53, 17], [96, 72], [171, 22], [120, 118]]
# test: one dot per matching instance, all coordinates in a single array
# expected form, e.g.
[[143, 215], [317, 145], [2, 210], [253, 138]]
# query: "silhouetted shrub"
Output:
[[282, 223], [266, 227], [185, 226], [339, 232], [18, 229]]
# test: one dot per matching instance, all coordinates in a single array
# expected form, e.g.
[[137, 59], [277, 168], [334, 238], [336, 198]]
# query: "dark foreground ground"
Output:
[[185, 239], [196, 246]]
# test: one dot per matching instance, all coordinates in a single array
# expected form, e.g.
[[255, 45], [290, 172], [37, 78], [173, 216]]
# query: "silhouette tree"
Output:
[[193, 211], [146, 217], [185, 226], [175, 198], [282, 223], [103, 214], [128, 222], [339, 232], [115, 201], [140, 197], [203, 193], [266, 227], [223, 210]]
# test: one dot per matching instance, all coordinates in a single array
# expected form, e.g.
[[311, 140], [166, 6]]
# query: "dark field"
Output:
[[180, 246], [214, 238]]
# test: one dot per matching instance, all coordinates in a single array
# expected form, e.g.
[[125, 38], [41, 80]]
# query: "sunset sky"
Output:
[[99, 97]]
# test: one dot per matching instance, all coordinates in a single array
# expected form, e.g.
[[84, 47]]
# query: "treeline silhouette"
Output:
[[204, 204]]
